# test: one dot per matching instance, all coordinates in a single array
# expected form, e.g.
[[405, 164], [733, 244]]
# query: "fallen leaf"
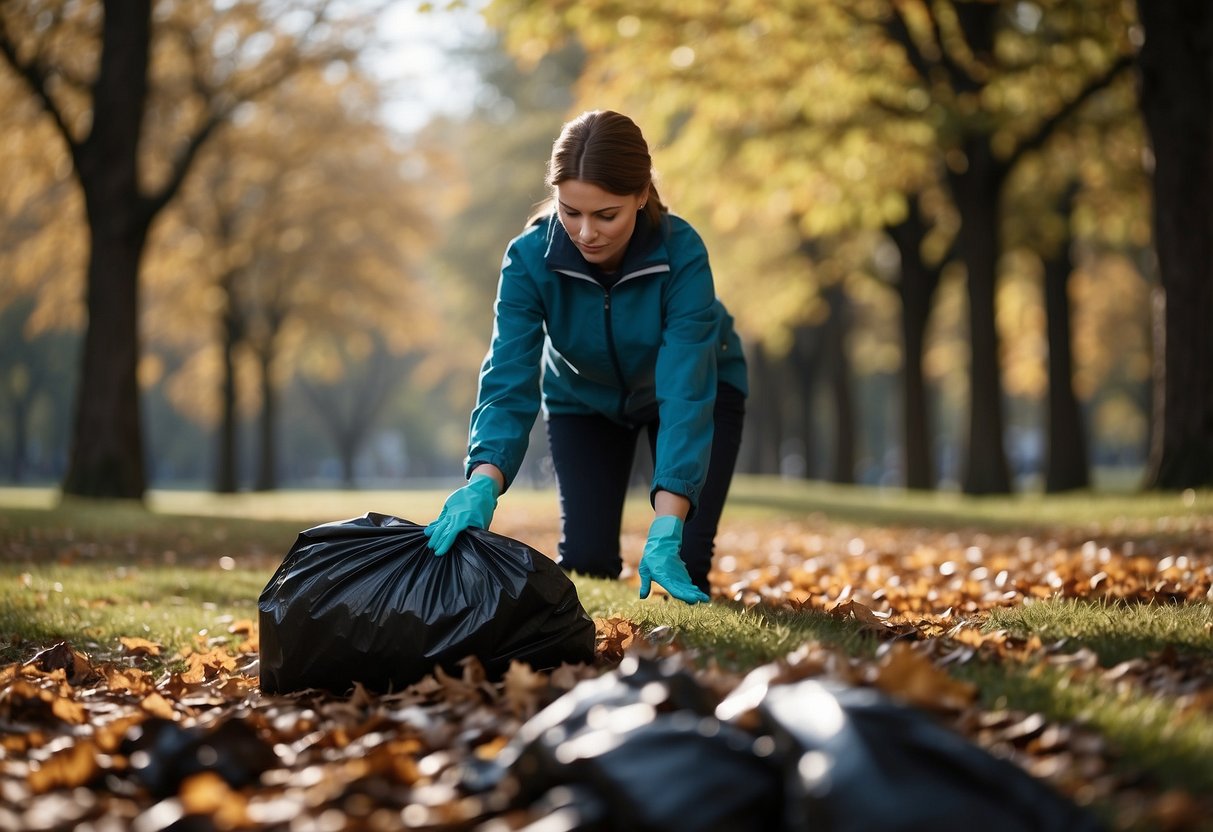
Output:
[[613, 636], [523, 687], [24, 701], [67, 768], [128, 680], [243, 627], [207, 794], [75, 666], [157, 705], [909, 675], [140, 646]]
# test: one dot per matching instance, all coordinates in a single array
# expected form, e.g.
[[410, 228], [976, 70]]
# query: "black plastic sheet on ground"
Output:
[[365, 600], [638, 750]]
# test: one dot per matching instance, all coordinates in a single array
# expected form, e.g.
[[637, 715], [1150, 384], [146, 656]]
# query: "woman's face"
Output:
[[598, 222]]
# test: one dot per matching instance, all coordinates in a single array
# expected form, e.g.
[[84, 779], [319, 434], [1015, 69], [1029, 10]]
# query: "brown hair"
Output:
[[606, 149]]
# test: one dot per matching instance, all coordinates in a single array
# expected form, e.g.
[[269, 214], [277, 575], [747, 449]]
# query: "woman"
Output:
[[606, 314]]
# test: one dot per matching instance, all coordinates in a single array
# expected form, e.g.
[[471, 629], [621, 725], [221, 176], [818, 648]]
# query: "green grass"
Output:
[[188, 563], [735, 637], [1155, 734], [1107, 512], [93, 606], [1114, 630]]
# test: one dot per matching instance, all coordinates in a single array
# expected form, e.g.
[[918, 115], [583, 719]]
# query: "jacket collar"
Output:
[[646, 252]]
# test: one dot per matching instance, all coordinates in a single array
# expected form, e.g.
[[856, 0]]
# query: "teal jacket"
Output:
[[654, 345]]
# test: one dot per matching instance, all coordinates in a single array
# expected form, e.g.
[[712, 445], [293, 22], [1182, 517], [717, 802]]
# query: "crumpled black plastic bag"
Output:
[[163, 754], [365, 600], [856, 760], [637, 750]]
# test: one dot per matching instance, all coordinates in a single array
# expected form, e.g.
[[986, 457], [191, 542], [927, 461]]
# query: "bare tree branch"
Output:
[[899, 31], [1046, 127], [35, 77]]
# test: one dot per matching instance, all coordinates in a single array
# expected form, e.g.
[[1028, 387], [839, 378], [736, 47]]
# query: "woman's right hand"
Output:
[[468, 507]]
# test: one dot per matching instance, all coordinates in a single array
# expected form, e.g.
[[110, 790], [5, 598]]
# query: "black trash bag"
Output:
[[641, 752], [856, 760], [164, 754], [365, 600]]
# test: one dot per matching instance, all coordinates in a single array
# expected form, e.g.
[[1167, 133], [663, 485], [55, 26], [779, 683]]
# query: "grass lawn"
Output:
[[1079, 625]]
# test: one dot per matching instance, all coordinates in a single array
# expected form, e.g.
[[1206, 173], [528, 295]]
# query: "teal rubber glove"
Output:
[[662, 563], [469, 507]]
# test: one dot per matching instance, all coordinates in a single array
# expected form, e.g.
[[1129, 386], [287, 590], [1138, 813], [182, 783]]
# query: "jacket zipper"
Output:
[[610, 338]]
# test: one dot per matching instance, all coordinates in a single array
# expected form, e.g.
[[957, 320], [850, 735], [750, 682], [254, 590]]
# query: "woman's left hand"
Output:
[[662, 563]]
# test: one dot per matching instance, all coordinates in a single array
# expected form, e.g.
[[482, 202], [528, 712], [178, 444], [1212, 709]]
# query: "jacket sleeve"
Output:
[[508, 398], [686, 370]]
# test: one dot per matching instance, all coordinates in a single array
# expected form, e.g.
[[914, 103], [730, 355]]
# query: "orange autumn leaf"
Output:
[[203, 666], [139, 646], [207, 794], [490, 749], [157, 705], [243, 627], [613, 636], [909, 675], [26, 701], [72, 766], [128, 680]]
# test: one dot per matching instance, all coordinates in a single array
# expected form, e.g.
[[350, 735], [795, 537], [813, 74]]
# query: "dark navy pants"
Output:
[[593, 460]]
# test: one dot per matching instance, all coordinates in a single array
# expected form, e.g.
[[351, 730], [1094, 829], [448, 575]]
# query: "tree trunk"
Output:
[[976, 191], [1067, 467], [226, 473], [838, 367], [762, 432], [916, 286], [267, 458], [347, 449], [1176, 63], [106, 457], [20, 411], [806, 358]]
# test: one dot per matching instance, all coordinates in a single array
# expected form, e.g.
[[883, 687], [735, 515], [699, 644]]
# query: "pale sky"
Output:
[[421, 78]]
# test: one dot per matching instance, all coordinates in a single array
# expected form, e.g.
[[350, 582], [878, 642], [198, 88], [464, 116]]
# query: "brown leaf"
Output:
[[490, 749], [27, 702], [613, 637], [207, 794], [243, 627], [397, 760], [1179, 810], [567, 676], [67, 768], [109, 737], [201, 667], [75, 666], [139, 646], [909, 675], [523, 688], [128, 680], [463, 689], [157, 705]]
